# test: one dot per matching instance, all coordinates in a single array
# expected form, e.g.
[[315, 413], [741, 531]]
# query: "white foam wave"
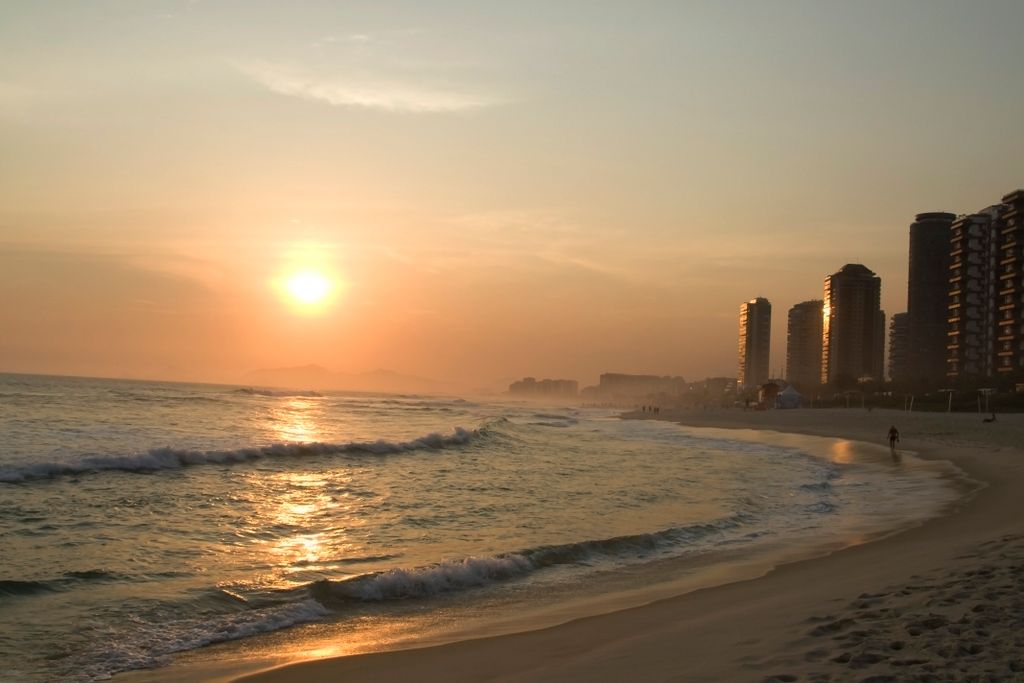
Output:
[[173, 458], [148, 645], [402, 584], [473, 572]]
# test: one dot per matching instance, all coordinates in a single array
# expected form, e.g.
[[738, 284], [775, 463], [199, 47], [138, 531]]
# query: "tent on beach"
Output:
[[789, 398]]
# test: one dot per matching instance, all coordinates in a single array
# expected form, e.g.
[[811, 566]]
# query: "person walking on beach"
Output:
[[894, 437]]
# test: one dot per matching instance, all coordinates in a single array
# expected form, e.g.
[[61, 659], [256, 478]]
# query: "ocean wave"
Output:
[[475, 572], [157, 459], [149, 645], [556, 416], [246, 391], [14, 587]]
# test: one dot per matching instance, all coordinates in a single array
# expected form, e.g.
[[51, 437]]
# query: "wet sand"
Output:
[[941, 601]]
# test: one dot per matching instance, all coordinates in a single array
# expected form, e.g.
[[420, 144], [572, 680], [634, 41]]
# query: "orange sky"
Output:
[[495, 189]]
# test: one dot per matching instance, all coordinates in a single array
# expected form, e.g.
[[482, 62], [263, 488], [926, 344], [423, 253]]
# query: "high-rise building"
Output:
[[927, 299], [755, 342], [803, 345], [973, 287], [853, 327], [985, 324], [899, 350], [1010, 318]]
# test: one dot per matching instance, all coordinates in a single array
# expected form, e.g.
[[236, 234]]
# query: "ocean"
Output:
[[143, 521]]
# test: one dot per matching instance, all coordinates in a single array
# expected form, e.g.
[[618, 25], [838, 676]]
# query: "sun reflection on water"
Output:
[[297, 420], [313, 519], [842, 452]]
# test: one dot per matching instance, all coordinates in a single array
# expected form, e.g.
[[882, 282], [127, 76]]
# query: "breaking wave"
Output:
[[474, 572], [157, 459]]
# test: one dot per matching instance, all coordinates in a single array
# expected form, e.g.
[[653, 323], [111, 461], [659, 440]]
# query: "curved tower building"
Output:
[[927, 300]]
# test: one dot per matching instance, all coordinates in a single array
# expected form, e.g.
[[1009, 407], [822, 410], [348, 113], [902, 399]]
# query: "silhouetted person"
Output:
[[894, 437]]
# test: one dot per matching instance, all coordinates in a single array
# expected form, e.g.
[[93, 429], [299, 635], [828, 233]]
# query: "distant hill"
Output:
[[320, 378]]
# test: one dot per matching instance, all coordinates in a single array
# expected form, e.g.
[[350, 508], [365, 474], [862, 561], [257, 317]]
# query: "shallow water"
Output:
[[139, 520]]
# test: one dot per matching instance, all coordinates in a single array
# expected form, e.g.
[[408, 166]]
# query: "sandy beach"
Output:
[[938, 602]]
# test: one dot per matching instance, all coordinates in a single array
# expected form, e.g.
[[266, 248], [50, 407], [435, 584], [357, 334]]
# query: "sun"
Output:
[[307, 291], [308, 287]]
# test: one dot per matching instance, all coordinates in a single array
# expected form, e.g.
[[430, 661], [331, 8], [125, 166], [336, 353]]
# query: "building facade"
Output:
[[927, 300], [624, 385], [985, 323], [973, 288], [531, 386], [803, 345], [1009, 360], [853, 327], [755, 343], [899, 350]]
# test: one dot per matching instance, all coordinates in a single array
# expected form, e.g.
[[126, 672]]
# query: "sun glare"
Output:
[[306, 291], [308, 287]]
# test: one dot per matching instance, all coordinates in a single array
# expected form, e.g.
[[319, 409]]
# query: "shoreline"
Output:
[[750, 628]]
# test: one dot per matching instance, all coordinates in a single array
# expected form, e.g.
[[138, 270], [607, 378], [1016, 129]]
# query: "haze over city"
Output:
[[473, 192]]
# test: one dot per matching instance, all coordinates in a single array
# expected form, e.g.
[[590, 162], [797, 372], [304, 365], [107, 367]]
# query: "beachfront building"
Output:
[[803, 345], [620, 387], [1010, 318], [530, 386], [755, 343], [853, 327], [985, 323], [927, 300], [972, 291], [899, 350]]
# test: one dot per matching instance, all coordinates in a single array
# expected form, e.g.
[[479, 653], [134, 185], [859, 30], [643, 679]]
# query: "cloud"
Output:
[[366, 93]]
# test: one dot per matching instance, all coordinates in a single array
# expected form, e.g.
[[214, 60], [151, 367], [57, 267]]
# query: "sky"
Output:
[[489, 189]]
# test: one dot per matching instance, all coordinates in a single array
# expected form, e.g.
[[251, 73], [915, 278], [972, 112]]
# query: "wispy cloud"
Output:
[[363, 92]]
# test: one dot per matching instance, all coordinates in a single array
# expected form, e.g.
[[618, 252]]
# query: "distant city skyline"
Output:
[[469, 191]]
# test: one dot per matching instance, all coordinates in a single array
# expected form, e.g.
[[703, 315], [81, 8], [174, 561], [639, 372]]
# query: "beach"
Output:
[[937, 602]]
